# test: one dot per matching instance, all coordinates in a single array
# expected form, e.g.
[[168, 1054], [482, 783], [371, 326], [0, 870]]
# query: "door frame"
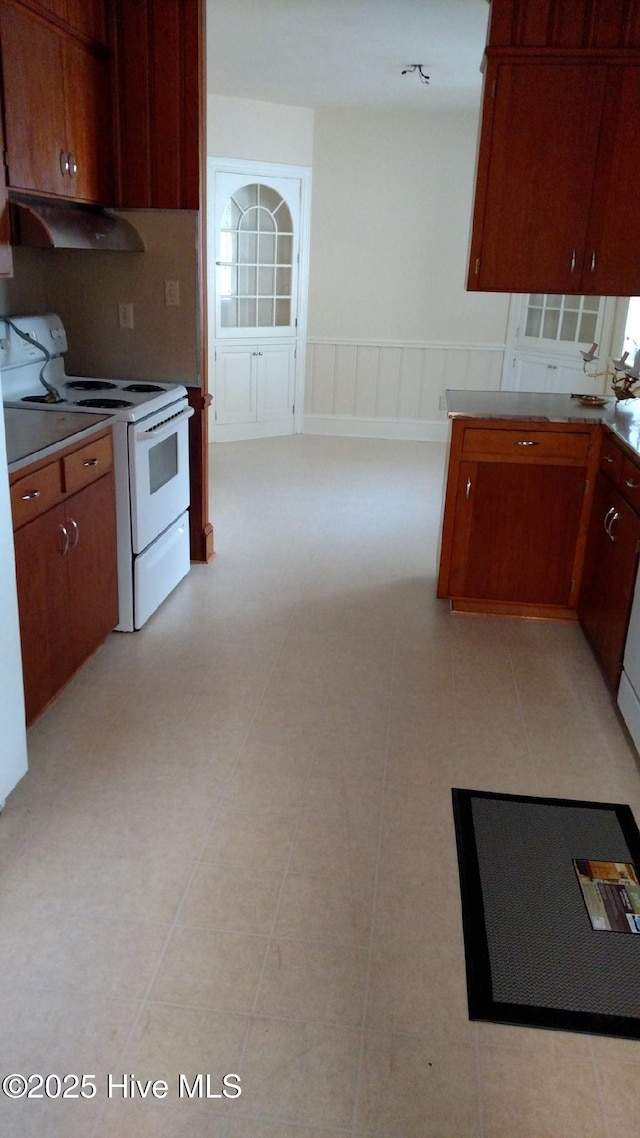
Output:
[[254, 171]]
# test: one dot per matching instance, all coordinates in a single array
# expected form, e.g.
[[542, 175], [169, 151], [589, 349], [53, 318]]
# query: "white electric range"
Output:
[[151, 455]]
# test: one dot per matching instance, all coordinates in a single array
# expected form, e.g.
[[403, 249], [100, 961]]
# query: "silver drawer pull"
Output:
[[526, 443], [467, 489], [91, 462], [30, 496], [64, 549], [76, 532], [609, 458], [632, 485], [614, 519]]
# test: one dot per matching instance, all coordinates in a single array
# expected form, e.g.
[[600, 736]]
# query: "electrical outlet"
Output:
[[125, 315], [172, 293]]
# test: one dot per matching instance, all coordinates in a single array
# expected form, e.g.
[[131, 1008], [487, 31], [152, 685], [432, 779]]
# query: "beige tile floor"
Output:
[[234, 850]]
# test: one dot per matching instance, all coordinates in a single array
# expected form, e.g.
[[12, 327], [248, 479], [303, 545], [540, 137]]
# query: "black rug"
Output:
[[533, 955]]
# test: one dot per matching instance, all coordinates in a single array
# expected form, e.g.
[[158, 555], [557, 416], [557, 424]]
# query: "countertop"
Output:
[[621, 417], [33, 434]]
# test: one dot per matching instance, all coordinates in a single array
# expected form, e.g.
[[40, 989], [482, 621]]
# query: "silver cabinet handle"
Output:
[[64, 163], [65, 534], [632, 485], [614, 519], [258, 353], [76, 532], [31, 496], [593, 260], [573, 260], [609, 458], [72, 166], [91, 462], [608, 514], [467, 490], [526, 443]]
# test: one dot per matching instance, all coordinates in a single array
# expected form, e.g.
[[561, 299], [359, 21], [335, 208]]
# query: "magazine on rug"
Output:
[[611, 893]]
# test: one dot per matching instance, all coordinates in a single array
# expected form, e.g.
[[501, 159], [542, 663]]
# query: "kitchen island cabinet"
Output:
[[66, 564], [611, 561], [517, 505]]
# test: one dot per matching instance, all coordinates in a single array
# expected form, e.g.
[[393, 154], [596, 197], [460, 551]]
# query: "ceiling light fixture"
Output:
[[419, 67]]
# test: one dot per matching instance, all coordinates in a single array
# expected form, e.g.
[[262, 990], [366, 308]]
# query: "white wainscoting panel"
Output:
[[391, 390]]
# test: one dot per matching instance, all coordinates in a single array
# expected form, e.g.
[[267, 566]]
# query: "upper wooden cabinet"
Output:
[[160, 52], [561, 105], [553, 213], [557, 24], [57, 110]]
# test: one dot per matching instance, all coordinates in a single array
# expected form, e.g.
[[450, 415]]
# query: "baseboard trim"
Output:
[[417, 430], [242, 432]]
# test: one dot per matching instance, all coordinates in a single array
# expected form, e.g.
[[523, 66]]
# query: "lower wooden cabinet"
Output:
[[66, 569], [611, 564], [515, 517]]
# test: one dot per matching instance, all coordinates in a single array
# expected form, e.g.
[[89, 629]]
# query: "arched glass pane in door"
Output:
[[255, 259]]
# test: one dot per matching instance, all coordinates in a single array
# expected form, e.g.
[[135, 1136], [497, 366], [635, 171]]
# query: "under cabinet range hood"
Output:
[[45, 225]]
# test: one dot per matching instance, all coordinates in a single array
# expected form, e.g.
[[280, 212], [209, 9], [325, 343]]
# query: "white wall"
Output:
[[259, 132], [390, 322]]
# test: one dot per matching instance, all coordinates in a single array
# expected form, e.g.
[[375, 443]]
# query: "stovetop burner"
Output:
[[106, 404], [90, 385], [143, 388]]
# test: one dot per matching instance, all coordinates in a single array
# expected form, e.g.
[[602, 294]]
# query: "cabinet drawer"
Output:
[[35, 493], [87, 464], [630, 483], [611, 459], [526, 446]]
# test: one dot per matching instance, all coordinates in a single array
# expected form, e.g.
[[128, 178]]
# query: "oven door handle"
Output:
[[167, 427]]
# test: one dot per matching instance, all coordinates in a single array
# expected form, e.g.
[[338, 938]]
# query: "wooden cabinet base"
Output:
[[66, 567], [504, 608], [517, 505]]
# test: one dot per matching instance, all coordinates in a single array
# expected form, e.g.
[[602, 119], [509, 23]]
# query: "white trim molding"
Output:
[[421, 430], [392, 389]]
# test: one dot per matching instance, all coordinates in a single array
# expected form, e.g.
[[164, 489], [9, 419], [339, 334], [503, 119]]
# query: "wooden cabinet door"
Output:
[[92, 569], [88, 123], [41, 574], [516, 526], [612, 250], [609, 575], [33, 103], [66, 570], [535, 175]]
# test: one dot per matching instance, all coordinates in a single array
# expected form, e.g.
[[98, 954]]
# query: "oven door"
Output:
[[159, 472]]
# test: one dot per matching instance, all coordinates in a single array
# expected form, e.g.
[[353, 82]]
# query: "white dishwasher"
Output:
[[629, 690]]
